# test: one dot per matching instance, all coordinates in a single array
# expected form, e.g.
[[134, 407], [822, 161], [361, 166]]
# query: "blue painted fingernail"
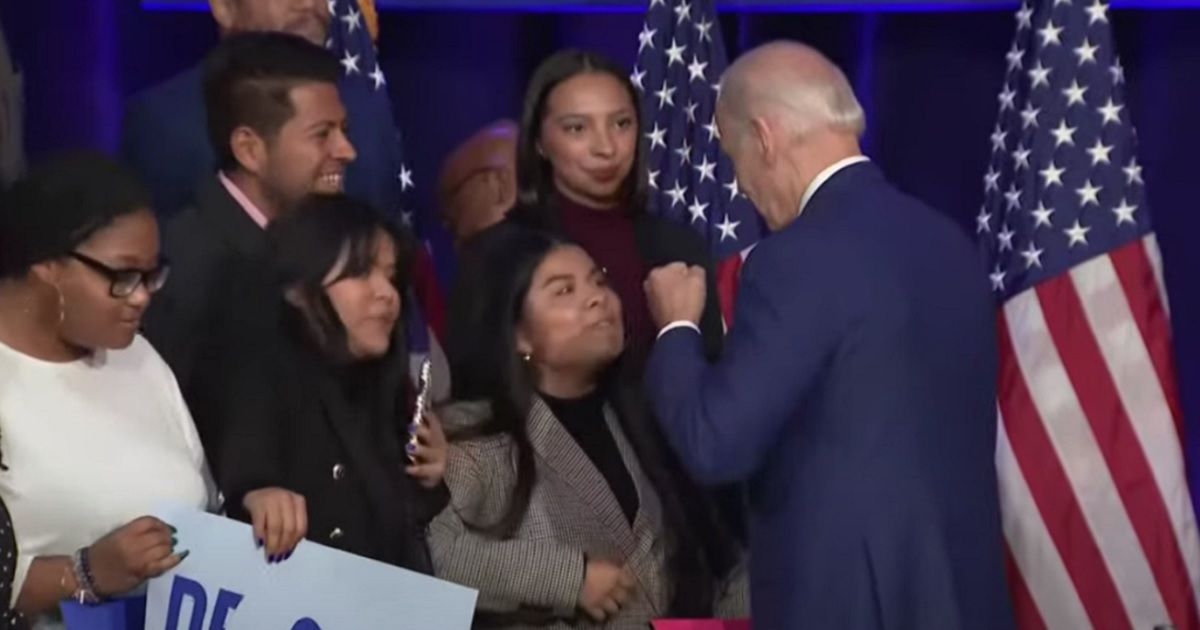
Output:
[[411, 448], [259, 543], [185, 553], [412, 428]]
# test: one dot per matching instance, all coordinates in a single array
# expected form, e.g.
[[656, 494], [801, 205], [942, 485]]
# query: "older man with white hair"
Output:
[[856, 393]]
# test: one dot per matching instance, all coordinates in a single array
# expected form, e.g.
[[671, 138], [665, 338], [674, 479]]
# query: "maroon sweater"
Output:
[[608, 237]]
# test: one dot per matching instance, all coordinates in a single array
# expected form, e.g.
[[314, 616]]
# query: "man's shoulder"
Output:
[[185, 87]]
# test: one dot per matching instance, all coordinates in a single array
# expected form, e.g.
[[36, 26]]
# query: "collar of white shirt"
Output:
[[824, 176]]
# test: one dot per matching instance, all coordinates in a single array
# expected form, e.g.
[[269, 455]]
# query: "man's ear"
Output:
[[764, 140], [249, 149], [224, 13]]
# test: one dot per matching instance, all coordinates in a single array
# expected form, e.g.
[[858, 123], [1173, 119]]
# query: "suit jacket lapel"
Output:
[[647, 525], [236, 227], [555, 446]]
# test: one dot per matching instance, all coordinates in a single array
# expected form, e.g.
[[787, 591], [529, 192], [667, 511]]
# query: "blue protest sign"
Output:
[[225, 583]]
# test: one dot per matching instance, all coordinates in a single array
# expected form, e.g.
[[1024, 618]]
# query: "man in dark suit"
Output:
[[277, 127], [164, 137], [856, 390]]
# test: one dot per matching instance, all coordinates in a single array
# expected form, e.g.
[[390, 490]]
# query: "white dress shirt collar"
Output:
[[824, 176]]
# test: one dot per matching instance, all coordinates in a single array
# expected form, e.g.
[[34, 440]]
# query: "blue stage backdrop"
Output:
[[928, 79]]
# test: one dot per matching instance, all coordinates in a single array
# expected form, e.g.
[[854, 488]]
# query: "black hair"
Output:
[[248, 79], [487, 307], [60, 204], [307, 243], [535, 177]]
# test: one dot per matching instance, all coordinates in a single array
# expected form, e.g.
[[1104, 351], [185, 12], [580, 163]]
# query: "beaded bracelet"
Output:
[[83, 578]]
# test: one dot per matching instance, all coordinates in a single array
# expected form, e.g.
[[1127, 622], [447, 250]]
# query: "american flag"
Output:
[[680, 60], [364, 91], [1099, 525]]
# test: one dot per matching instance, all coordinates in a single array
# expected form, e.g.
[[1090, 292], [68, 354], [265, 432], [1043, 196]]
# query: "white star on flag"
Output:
[[675, 53], [1125, 212], [350, 63], [646, 38], [353, 20], [706, 168], [1077, 233], [1089, 193], [1064, 134], [657, 137], [1100, 152], [377, 77], [1052, 174], [1050, 34], [728, 228], [696, 69], [1110, 112], [1041, 216], [1032, 256], [406, 178], [666, 96], [677, 194]]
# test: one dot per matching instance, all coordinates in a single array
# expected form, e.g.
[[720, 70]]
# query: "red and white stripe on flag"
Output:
[[729, 274], [1097, 518]]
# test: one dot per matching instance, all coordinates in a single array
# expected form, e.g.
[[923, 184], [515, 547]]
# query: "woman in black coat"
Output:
[[313, 397]]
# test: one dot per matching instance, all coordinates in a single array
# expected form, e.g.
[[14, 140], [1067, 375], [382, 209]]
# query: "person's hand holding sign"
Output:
[[280, 520]]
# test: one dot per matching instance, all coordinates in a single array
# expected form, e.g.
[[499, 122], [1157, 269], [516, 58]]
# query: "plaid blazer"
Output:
[[533, 580]]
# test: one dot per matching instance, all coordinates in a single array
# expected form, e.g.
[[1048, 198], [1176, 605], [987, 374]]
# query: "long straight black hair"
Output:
[[535, 175], [485, 363]]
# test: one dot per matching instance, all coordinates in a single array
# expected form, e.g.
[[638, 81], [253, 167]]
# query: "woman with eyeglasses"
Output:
[[93, 430]]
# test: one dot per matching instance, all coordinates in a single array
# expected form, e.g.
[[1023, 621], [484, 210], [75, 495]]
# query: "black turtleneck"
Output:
[[584, 419]]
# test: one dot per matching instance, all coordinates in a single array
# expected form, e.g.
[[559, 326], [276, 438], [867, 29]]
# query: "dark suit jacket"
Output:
[[212, 246], [165, 139], [279, 414], [857, 393]]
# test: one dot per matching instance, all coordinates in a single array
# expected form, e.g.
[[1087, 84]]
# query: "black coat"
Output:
[[282, 415], [212, 246]]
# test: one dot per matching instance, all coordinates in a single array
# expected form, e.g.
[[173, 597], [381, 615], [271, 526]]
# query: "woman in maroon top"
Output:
[[582, 174]]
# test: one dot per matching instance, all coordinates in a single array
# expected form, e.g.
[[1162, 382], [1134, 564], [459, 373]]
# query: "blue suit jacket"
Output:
[[856, 393], [165, 139]]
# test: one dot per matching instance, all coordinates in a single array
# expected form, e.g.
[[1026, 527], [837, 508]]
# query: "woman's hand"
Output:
[[606, 588], [428, 453], [280, 520], [132, 554]]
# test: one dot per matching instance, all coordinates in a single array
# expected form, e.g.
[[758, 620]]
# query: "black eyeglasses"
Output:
[[125, 281]]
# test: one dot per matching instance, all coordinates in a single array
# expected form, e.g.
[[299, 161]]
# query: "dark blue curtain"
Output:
[[928, 80]]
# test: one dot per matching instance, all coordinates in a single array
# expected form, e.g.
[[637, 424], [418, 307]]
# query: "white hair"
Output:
[[801, 101]]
